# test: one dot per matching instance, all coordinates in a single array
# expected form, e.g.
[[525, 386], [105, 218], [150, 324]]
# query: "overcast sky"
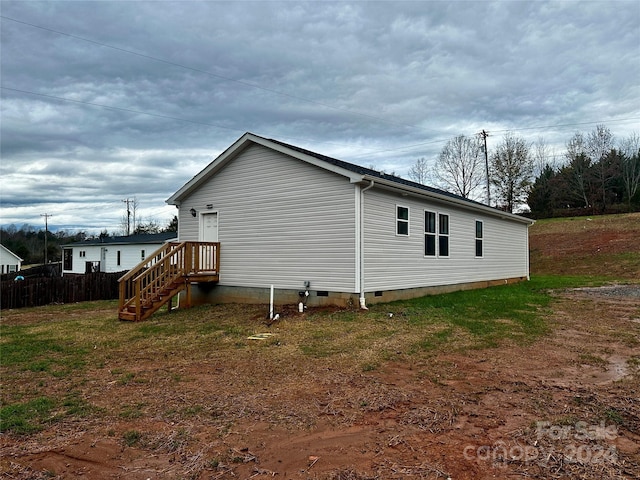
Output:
[[108, 100]]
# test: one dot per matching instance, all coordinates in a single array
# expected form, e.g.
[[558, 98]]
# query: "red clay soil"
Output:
[[477, 415], [607, 245]]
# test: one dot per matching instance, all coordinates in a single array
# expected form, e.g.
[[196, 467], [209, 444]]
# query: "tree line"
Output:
[[595, 174], [29, 243]]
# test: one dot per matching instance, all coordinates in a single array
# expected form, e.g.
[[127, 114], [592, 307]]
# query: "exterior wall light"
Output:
[[193, 212]]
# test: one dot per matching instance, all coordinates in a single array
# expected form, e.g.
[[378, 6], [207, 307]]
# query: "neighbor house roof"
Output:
[[9, 252], [143, 238], [355, 173]]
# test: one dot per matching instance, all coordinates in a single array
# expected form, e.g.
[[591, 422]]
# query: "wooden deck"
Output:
[[165, 273]]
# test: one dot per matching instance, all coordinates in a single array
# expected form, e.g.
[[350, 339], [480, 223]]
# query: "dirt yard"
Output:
[[566, 406]]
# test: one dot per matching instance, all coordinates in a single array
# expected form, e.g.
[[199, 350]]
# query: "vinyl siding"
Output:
[[281, 221], [9, 261], [397, 262], [129, 257]]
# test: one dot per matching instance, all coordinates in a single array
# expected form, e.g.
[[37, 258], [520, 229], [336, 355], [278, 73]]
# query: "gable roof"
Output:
[[9, 252], [139, 239], [355, 173]]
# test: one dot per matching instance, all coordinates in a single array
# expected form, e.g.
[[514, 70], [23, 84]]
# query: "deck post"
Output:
[[121, 295], [138, 303], [188, 299]]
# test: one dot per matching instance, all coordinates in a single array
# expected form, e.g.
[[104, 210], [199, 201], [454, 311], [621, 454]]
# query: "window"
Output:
[[479, 238], [443, 235], [436, 235], [429, 234], [67, 258], [142, 254], [118, 258], [402, 220], [83, 253]]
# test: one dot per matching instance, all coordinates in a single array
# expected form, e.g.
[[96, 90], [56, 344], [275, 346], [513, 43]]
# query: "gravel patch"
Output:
[[611, 291]]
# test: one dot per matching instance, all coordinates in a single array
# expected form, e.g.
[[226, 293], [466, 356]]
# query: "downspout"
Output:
[[528, 255], [363, 304]]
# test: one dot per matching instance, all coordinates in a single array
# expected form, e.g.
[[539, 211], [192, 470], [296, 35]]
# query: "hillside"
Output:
[[607, 245]]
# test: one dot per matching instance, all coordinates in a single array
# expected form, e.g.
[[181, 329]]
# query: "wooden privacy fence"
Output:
[[32, 292]]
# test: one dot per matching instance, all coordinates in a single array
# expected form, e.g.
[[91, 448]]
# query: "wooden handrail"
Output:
[[163, 270], [150, 260]]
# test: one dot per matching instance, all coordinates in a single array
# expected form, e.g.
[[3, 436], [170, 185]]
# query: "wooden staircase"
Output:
[[165, 273]]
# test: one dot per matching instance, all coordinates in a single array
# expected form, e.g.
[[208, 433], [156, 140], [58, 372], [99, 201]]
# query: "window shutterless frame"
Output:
[[429, 234], [479, 239], [443, 235], [402, 221]]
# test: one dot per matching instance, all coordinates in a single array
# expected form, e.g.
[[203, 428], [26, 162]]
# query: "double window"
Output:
[[436, 234]]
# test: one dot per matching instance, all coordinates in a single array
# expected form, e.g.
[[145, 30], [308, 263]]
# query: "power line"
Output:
[[618, 120], [370, 152], [140, 112], [256, 86], [215, 75], [120, 109], [442, 140]]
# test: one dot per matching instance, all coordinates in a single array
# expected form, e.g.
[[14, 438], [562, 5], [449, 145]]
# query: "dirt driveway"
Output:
[[565, 407]]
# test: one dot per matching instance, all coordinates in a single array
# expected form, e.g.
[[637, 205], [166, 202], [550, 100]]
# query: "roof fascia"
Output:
[[467, 205], [353, 176], [98, 243]]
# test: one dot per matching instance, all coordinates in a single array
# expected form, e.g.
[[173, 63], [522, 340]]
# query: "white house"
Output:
[[9, 261], [305, 222], [111, 254]]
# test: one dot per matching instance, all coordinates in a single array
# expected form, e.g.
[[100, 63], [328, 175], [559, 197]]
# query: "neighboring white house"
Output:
[[301, 221], [111, 254], [9, 261]]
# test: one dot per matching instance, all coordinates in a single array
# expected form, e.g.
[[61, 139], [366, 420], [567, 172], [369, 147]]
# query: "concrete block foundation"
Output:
[[211, 293]]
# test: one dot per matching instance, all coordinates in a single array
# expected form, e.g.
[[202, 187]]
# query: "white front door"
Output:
[[209, 227]]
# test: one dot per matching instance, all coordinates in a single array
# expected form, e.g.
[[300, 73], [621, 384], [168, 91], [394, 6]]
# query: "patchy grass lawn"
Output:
[[49, 353]]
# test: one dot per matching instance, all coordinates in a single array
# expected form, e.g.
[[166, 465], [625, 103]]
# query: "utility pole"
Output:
[[46, 234], [128, 216], [484, 134]]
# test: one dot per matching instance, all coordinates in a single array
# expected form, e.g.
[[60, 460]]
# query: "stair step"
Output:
[[128, 316]]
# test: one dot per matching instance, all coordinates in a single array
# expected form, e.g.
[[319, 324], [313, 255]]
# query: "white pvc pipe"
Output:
[[271, 304]]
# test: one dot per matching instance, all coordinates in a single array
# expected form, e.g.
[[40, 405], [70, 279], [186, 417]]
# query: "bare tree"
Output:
[[543, 156], [579, 165], [630, 152], [599, 146], [419, 171], [511, 171], [459, 167]]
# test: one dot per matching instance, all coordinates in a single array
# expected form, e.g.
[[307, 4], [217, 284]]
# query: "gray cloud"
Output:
[[383, 83]]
